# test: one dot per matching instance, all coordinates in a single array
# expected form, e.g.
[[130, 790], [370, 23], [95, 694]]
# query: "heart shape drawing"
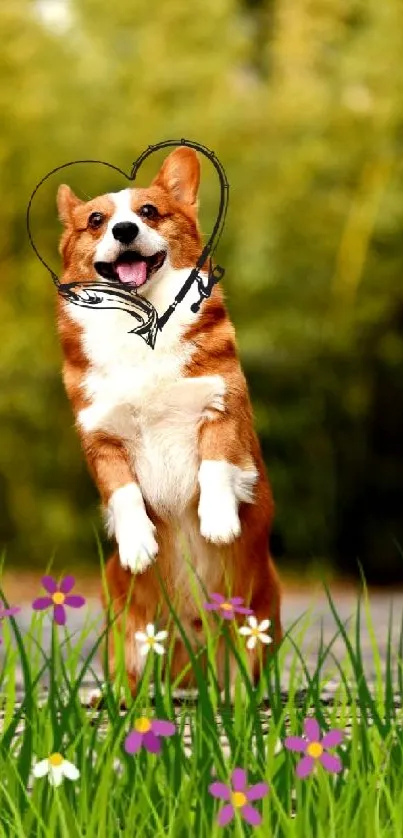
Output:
[[104, 294]]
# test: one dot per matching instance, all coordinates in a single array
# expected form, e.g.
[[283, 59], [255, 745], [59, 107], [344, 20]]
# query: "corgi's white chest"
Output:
[[139, 395], [164, 449]]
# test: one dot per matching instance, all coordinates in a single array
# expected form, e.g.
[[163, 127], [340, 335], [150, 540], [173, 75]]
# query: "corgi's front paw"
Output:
[[127, 519], [137, 545], [218, 504], [219, 519]]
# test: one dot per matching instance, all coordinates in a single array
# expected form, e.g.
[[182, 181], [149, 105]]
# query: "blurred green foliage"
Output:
[[302, 100]]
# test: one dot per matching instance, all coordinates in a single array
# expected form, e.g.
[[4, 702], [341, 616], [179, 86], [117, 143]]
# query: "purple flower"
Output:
[[58, 598], [314, 748], [227, 607], [239, 798], [146, 733], [8, 612]]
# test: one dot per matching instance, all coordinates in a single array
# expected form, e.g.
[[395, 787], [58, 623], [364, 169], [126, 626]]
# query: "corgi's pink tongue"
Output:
[[133, 273]]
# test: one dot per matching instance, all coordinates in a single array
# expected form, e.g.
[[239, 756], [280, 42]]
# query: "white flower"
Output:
[[151, 640], [56, 767], [256, 631]]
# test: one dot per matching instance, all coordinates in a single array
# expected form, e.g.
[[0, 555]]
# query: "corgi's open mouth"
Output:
[[131, 267]]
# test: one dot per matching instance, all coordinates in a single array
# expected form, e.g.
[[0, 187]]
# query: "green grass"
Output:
[[168, 794]]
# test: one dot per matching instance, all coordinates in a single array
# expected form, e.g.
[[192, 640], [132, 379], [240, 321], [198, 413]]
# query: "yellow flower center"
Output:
[[226, 606], [58, 598], [314, 750], [238, 799], [255, 632], [151, 641], [56, 759], [143, 725]]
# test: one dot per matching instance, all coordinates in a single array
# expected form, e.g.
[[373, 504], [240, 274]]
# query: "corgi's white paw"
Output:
[[137, 545], [219, 519], [218, 504], [134, 532]]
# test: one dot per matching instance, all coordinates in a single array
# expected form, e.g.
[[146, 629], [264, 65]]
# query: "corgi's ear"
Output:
[[67, 201], [180, 175]]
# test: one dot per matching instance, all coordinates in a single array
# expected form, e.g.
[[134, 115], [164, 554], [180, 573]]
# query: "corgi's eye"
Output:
[[95, 220], [149, 211]]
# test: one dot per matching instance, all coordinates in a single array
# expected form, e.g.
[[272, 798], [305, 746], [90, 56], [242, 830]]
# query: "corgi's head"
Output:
[[134, 236]]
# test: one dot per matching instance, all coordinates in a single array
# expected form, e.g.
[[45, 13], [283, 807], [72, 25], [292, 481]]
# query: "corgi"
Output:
[[167, 432]]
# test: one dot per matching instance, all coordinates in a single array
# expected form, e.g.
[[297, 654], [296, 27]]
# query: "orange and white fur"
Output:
[[167, 432]]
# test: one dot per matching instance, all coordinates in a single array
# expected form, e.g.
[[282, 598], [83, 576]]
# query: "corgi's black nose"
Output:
[[125, 232]]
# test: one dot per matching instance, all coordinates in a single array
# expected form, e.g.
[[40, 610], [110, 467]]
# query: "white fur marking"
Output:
[[140, 395], [128, 519], [166, 455], [147, 241], [222, 487]]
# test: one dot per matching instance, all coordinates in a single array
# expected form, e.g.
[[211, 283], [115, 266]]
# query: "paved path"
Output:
[[294, 606]]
